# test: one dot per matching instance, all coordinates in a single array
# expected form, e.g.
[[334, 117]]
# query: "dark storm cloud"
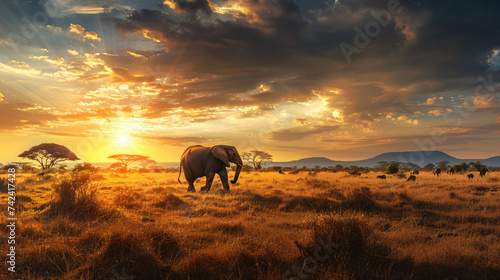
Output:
[[292, 48], [194, 6]]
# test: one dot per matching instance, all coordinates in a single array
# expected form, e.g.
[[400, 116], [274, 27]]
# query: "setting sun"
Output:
[[123, 140]]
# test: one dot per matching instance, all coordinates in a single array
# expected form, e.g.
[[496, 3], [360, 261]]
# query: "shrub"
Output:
[[392, 168], [75, 195]]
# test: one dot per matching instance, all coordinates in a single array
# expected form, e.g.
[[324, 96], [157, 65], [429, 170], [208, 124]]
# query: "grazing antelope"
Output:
[[411, 178], [383, 177], [470, 176], [437, 172]]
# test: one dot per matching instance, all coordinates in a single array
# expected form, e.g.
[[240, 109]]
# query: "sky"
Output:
[[345, 80]]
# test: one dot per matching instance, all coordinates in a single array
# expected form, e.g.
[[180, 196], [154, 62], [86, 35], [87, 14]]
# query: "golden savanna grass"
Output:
[[269, 225]]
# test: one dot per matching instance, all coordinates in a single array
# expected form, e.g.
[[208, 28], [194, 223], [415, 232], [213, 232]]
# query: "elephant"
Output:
[[470, 176], [451, 171], [198, 161]]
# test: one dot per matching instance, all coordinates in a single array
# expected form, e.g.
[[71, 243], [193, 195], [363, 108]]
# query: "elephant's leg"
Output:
[[223, 178], [191, 185], [210, 177]]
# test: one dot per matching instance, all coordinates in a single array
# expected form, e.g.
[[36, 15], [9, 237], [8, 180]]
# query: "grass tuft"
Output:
[[360, 199]]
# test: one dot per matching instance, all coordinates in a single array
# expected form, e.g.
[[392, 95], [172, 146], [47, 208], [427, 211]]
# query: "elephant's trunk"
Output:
[[237, 174], [239, 166]]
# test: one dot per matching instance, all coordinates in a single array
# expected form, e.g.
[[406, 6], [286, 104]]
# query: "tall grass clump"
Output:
[[347, 248], [75, 195], [360, 199], [144, 253], [4, 184]]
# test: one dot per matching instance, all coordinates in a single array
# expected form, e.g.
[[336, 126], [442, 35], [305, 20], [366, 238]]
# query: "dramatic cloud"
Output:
[[189, 6]]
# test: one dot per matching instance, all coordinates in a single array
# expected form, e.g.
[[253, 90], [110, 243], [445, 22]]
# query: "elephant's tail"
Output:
[[180, 171], [180, 165]]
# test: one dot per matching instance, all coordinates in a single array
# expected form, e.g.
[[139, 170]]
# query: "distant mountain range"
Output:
[[420, 158]]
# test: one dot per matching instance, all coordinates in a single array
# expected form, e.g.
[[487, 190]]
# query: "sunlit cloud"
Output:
[[481, 101], [435, 113], [78, 29], [20, 68], [55, 61]]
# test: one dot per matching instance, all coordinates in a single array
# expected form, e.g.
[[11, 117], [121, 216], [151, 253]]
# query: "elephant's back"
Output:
[[194, 152]]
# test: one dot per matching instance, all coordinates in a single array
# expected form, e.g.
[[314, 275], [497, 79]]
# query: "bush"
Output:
[[75, 195], [392, 168], [85, 167]]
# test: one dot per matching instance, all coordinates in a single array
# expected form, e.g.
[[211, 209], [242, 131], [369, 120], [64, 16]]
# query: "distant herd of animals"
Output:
[[438, 171], [481, 168], [482, 172]]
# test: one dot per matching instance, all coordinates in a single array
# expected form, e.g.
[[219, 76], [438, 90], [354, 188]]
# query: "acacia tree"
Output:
[[49, 154], [442, 164], [126, 160], [257, 158], [144, 163], [480, 167]]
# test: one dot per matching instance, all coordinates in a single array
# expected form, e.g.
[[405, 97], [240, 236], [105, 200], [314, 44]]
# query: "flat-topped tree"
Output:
[[127, 160], [257, 158], [49, 154]]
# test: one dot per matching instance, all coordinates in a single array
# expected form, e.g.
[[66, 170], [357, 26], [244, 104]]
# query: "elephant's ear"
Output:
[[220, 153]]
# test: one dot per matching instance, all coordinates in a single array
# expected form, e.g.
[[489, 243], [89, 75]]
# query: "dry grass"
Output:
[[90, 227]]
